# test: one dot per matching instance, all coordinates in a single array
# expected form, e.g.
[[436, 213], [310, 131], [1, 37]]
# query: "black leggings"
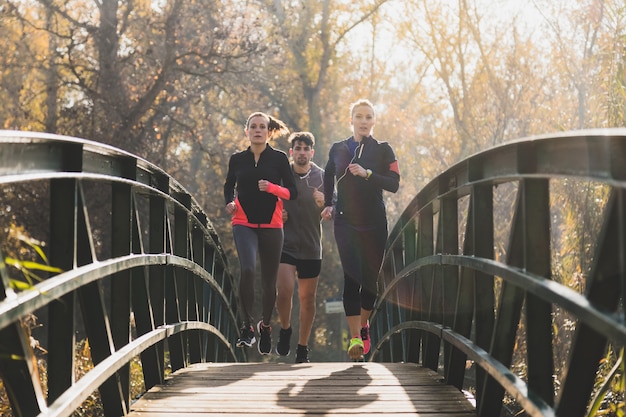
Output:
[[356, 297], [361, 250], [268, 244]]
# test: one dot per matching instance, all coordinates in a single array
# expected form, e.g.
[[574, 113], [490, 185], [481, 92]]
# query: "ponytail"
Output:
[[275, 126]]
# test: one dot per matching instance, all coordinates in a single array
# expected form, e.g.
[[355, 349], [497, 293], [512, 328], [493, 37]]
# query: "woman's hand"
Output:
[[231, 208], [263, 185], [327, 213], [357, 170]]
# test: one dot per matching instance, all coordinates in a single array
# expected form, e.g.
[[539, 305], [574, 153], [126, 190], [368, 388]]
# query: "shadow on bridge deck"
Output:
[[332, 389]]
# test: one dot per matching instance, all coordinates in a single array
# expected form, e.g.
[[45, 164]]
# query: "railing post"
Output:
[[449, 236], [61, 338], [157, 244], [464, 310], [194, 308], [412, 338], [608, 273], [121, 241], [483, 298], [538, 312], [178, 354], [210, 314], [393, 306], [95, 315], [17, 362], [510, 308], [430, 344], [141, 302]]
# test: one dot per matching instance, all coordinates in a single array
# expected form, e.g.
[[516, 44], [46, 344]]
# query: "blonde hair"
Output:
[[361, 102], [275, 126]]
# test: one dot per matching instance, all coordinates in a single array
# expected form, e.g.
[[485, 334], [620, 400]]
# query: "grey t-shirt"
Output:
[[303, 230]]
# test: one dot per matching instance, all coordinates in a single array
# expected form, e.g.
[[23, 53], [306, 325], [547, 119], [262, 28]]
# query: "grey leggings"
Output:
[[268, 244]]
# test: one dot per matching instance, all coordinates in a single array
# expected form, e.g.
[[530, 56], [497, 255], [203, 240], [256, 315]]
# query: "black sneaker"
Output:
[[246, 337], [265, 338], [302, 354], [284, 341]]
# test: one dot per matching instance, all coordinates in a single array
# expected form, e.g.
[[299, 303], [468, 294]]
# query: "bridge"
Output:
[[467, 294]]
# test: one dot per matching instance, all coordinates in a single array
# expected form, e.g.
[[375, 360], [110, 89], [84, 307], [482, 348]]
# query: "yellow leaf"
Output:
[[19, 285]]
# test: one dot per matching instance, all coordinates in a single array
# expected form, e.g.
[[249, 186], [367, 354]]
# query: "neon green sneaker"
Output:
[[355, 350]]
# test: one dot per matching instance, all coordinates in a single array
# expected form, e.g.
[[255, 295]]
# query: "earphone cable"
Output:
[[354, 157]]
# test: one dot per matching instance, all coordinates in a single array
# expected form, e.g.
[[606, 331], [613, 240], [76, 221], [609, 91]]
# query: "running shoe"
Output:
[[302, 354], [265, 338], [355, 350], [365, 337], [283, 347], [246, 337]]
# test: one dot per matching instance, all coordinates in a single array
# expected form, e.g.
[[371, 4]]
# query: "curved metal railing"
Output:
[[448, 299], [152, 282]]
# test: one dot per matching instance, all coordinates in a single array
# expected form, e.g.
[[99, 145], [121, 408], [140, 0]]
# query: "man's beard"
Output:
[[302, 162]]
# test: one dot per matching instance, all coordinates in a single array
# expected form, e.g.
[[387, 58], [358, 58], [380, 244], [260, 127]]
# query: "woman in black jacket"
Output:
[[361, 167], [258, 180]]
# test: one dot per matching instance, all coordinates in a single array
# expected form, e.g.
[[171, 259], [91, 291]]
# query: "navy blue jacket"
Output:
[[359, 200]]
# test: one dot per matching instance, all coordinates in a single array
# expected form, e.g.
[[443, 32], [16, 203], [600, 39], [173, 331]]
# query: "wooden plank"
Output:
[[278, 389]]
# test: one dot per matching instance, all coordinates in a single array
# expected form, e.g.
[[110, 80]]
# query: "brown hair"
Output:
[[275, 126], [306, 137]]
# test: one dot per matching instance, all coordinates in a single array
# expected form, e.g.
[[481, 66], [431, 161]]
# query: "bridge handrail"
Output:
[[18, 305], [443, 284], [71, 399], [163, 276]]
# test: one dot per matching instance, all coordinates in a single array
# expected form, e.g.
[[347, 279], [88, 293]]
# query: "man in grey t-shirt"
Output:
[[301, 257]]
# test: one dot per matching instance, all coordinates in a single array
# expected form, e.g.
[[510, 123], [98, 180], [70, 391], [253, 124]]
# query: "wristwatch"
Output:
[[369, 174]]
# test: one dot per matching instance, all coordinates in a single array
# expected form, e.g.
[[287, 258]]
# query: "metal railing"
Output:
[[447, 299], [143, 275]]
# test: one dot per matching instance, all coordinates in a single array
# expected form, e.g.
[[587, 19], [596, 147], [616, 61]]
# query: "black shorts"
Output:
[[306, 268]]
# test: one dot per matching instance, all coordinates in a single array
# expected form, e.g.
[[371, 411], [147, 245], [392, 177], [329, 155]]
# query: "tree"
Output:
[[311, 49]]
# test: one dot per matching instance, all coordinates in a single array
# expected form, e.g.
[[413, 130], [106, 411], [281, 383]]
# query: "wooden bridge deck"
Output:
[[285, 390]]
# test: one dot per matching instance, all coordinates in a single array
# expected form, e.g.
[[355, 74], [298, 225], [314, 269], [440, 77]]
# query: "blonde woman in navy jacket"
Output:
[[360, 167], [258, 180]]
